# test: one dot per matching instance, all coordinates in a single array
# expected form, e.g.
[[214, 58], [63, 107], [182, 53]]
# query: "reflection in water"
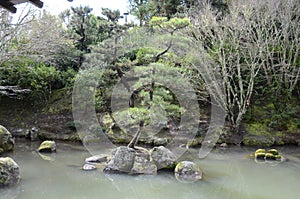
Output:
[[227, 175]]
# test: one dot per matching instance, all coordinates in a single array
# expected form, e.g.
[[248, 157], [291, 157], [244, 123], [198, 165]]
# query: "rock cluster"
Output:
[[140, 160], [267, 155]]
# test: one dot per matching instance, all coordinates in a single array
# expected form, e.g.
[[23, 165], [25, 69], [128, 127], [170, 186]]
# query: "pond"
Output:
[[227, 174]]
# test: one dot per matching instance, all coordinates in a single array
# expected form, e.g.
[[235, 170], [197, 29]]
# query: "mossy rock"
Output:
[[187, 171], [193, 143], [163, 158], [260, 156], [267, 155], [10, 172], [270, 156], [273, 151], [7, 142], [47, 147], [260, 151], [160, 141]]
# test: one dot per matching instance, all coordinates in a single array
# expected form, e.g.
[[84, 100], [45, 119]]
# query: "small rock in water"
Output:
[[224, 145], [262, 155], [187, 171], [34, 134], [160, 142], [96, 159], [47, 147], [88, 167]]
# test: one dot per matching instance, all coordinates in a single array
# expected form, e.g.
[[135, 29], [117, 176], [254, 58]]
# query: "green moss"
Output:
[[270, 156], [279, 133], [260, 151], [293, 126], [47, 146], [258, 135], [260, 156], [273, 151], [193, 143], [179, 165], [253, 140], [257, 129]]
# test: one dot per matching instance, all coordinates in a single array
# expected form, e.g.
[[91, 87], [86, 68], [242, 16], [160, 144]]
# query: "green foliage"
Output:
[[166, 8], [143, 10], [170, 25], [38, 77]]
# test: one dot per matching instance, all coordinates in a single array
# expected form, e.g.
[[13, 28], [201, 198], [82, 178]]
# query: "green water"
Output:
[[227, 175]]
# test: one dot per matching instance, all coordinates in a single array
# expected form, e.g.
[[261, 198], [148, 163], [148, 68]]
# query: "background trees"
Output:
[[249, 52], [253, 39]]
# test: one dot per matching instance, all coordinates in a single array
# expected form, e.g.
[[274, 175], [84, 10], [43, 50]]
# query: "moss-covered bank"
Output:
[[54, 121]]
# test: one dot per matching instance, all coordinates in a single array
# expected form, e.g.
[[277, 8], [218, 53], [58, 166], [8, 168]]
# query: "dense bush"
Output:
[[40, 78]]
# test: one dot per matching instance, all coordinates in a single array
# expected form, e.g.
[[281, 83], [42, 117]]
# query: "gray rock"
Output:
[[187, 171], [224, 145], [122, 160], [163, 158], [89, 167], [7, 142], [131, 161], [10, 172], [143, 163], [160, 141], [34, 134], [47, 147], [96, 159], [19, 133]]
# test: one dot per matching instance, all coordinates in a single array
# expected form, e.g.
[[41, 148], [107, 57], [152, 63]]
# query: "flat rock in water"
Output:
[[89, 167], [96, 159]]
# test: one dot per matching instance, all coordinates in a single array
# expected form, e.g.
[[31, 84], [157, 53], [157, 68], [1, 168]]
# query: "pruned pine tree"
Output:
[[84, 29], [143, 10]]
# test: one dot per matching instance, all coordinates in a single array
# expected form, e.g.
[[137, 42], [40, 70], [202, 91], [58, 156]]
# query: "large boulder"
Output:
[[122, 160], [9, 172], [131, 161], [187, 171], [163, 158], [7, 142], [47, 146]]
